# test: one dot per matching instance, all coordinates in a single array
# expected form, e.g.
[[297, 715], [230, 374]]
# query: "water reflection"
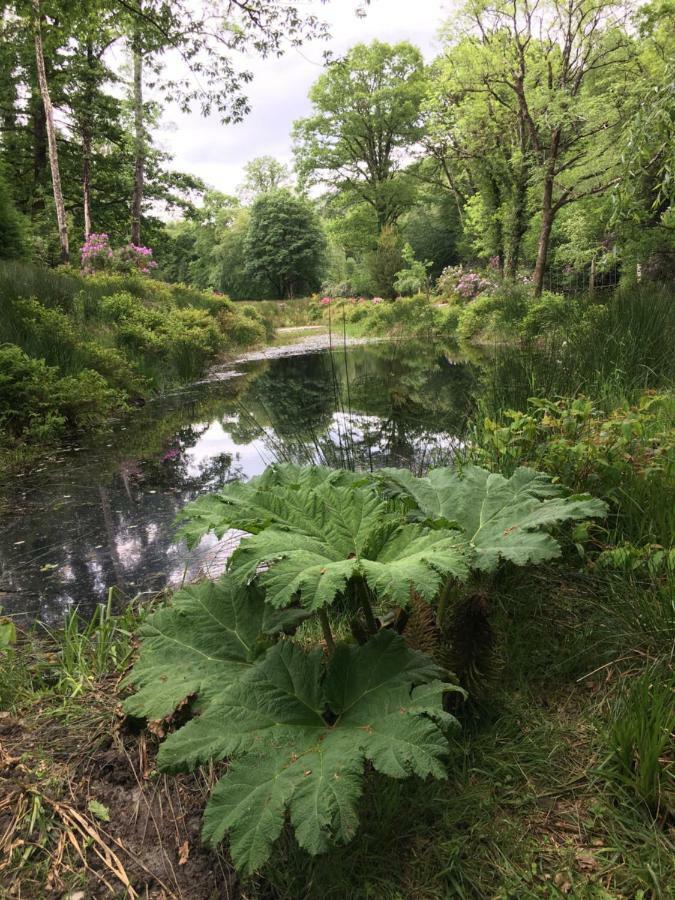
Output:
[[102, 515]]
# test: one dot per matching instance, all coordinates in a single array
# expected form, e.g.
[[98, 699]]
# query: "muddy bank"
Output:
[[316, 340]]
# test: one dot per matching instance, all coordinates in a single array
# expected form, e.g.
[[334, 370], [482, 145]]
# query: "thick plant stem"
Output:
[[364, 602], [327, 633], [443, 601]]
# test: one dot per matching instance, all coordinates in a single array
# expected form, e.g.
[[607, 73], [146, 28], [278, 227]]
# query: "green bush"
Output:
[[240, 331], [256, 315], [495, 315], [549, 313], [36, 404], [86, 343]]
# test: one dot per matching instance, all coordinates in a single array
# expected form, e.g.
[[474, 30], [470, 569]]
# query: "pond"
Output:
[[101, 514]]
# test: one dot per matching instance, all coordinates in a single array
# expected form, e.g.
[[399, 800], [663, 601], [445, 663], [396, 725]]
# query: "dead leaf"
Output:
[[183, 853]]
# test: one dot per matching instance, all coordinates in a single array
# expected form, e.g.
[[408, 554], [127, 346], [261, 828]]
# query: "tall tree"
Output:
[[263, 174], [51, 133], [365, 123], [139, 128], [563, 65], [285, 244]]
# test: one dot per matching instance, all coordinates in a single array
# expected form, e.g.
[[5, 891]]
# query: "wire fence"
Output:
[[589, 280]]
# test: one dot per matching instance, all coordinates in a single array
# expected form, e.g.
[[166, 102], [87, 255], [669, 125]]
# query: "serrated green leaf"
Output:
[[209, 637], [345, 533], [502, 518], [303, 740], [254, 505], [97, 809]]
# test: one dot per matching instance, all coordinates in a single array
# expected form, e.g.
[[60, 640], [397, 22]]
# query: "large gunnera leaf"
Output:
[[299, 730], [502, 518], [206, 640], [253, 505], [325, 535]]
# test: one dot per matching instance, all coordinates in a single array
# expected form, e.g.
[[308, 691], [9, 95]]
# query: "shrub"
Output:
[[36, 404], [240, 331], [550, 313], [96, 254], [253, 313], [496, 314]]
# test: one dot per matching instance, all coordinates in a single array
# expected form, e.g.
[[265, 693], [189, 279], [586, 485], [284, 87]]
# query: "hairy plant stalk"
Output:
[[364, 602], [443, 601], [327, 633]]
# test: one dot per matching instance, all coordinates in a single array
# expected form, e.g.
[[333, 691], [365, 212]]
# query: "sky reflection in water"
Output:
[[101, 514]]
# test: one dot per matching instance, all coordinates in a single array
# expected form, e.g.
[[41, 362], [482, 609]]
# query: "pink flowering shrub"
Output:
[[454, 281], [135, 258], [470, 285], [325, 301], [377, 300], [96, 254]]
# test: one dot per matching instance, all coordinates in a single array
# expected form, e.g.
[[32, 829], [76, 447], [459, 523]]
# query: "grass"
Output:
[[560, 782]]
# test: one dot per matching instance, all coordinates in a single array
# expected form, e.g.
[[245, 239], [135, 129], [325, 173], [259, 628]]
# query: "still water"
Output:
[[101, 514]]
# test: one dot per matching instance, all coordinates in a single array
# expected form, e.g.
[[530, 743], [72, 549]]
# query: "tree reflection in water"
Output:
[[102, 514]]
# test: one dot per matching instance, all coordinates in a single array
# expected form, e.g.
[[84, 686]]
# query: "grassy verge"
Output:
[[560, 783]]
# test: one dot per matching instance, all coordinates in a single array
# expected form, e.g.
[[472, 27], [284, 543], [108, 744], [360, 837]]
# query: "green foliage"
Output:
[[414, 277], [640, 735], [13, 239], [285, 244], [299, 731], [77, 354], [365, 114], [38, 405], [496, 314], [206, 640], [297, 727], [626, 456], [500, 518], [385, 261], [312, 540]]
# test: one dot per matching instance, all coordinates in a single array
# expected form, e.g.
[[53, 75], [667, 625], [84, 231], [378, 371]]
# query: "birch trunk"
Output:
[[87, 143], [51, 135], [139, 148]]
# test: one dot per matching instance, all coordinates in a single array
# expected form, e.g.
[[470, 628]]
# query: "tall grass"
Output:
[[610, 351]]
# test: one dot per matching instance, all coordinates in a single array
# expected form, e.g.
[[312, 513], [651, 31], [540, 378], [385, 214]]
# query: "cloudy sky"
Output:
[[278, 94]]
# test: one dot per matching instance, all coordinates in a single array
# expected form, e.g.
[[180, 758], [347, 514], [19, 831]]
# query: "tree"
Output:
[[385, 261], [12, 228], [285, 244], [559, 70], [51, 132], [366, 120], [263, 174]]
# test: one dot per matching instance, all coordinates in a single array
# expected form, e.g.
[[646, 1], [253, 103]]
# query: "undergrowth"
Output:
[[75, 350]]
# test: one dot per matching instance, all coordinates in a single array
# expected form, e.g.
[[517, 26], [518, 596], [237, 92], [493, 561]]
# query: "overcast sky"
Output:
[[278, 94]]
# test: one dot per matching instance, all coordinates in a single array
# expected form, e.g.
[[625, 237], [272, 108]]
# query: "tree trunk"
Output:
[[39, 150], [548, 212], [51, 136], [139, 136], [87, 142], [542, 251], [518, 225]]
